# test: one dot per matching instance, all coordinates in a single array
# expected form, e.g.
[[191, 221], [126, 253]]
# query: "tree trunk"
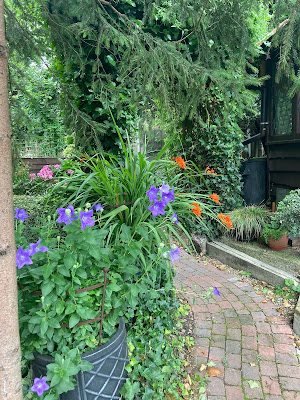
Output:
[[10, 363]]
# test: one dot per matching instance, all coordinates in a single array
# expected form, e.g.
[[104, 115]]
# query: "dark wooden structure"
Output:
[[36, 164], [280, 119]]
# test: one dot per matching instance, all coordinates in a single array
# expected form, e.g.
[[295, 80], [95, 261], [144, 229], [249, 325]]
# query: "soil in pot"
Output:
[[107, 377], [280, 244]]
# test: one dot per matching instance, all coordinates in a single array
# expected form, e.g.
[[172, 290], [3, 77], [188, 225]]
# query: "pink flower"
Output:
[[70, 171], [55, 180], [45, 172], [32, 177], [56, 166]]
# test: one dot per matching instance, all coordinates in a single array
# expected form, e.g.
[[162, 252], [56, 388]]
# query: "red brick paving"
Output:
[[246, 339]]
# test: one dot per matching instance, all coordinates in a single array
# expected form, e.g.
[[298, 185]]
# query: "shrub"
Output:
[[248, 222], [288, 212], [270, 232]]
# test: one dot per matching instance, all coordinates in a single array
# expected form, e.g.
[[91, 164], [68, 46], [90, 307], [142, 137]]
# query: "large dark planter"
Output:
[[107, 377]]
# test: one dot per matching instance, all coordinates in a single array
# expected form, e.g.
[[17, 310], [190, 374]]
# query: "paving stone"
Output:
[[291, 395], [216, 354], [249, 372], [258, 315], [249, 330], [263, 327], [201, 332], [284, 348], [233, 377], [271, 311], [216, 387], [281, 338], [233, 360], [230, 313], [252, 307], [233, 322], [234, 393], [255, 393], [289, 383], [264, 339], [246, 320], [289, 371], [233, 334], [249, 342], [266, 353], [219, 329], [273, 397], [225, 304], [268, 368], [284, 358], [233, 346], [271, 386], [218, 341], [281, 329], [249, 356]]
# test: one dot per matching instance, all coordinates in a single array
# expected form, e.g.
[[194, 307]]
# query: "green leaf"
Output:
[[130, 389], [253, 384], [47, 287], [74, 319], [60, 306], [125, 235], [69, 260], [71, 307]]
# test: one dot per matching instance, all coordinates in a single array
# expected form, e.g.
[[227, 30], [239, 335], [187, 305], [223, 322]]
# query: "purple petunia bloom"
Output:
[[23, 258], [174, 218], [174, 254], [66, 215], [34, 248], [86, 219], [152, 193], [216, 292], [167, 197], [40, 386], [21, 214], [98, 207], [164, 189], [157, 208]]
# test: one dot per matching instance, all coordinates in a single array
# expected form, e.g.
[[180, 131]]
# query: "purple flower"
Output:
[[40, 386], [23, 258], [86, 219], [66, 215], [167, 197], [157, 208], [164, 189], [21, 214], [216, 292], [174, 218], [34, 248], [98, 207], [174, 254], [152, 193]]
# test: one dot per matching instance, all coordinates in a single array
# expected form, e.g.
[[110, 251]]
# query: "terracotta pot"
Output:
[[280, 244]]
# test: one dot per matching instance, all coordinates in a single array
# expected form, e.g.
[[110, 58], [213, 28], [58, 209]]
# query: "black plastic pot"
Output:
[[107, 377]]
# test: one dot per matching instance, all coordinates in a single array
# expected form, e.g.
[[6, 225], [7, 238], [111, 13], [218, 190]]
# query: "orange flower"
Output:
[[197, 209], [209, 170], [180, 162], [215, 198], [226, 220]]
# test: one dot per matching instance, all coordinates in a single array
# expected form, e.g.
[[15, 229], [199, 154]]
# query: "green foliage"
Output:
[[248, 222], [270, 232], [288, 212], [288, 291], [38, 211]]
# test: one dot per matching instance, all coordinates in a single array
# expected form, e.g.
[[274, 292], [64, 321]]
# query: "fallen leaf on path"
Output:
[[264, 301], [253, 384], [280, 310], [286, 303], [213, 371], [253, 364], [202, 367]]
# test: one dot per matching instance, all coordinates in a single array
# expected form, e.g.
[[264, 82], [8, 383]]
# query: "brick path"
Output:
[[246, 338]]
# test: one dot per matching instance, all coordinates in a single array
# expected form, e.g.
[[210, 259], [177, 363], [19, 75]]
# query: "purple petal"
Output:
[[216, 292]]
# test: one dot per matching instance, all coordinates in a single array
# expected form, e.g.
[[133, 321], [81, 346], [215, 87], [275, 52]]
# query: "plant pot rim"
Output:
[[105, 348]]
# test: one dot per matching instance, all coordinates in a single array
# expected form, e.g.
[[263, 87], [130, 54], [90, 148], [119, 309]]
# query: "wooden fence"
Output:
[[36, 164]]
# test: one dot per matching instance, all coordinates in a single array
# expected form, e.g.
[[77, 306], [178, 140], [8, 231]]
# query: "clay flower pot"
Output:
[[280, 244]]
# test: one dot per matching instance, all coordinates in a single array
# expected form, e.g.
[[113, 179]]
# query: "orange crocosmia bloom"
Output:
[[197, 209], [215, 198], [180, 162], [209, 170], [226, 220]]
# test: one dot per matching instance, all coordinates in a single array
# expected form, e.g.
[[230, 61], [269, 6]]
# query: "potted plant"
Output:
[[288, 213], [248, 222], [275, 236]]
